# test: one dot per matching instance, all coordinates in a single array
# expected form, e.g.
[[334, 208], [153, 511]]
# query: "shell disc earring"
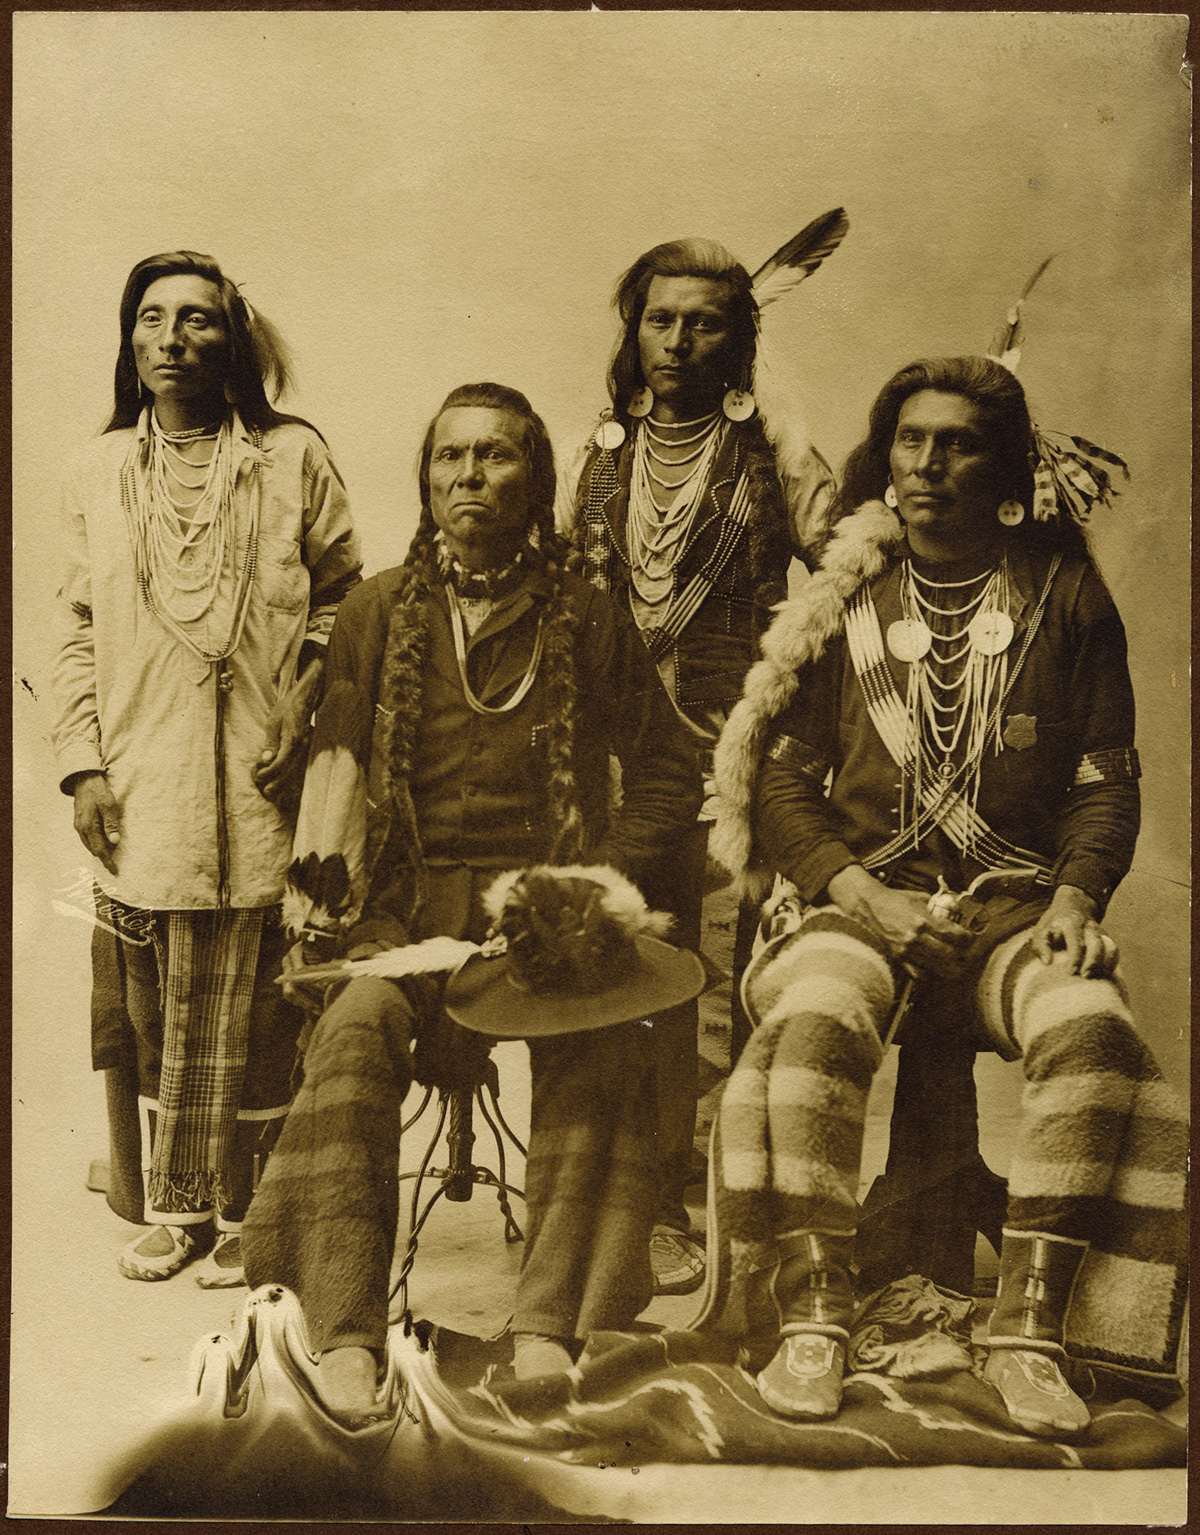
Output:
[[642, 402], [738, 405], [890, 498]]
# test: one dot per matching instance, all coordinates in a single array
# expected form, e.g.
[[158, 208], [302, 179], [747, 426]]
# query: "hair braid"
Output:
[[401, 687], [558, 640], [769, 546]]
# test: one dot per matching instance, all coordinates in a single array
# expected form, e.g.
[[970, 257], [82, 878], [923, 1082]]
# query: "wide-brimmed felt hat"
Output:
[[483, 995], [580, 953]]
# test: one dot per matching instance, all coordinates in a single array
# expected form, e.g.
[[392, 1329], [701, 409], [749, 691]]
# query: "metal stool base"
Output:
[[458, 1179]]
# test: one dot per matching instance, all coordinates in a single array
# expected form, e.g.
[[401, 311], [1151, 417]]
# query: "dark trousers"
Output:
[[677, 886]]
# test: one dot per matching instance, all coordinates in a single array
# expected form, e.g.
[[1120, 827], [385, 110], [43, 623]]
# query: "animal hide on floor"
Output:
[[465, 1440]]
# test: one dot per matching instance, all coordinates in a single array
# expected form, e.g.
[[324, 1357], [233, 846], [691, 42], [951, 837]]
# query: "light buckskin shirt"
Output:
[[135, 703]]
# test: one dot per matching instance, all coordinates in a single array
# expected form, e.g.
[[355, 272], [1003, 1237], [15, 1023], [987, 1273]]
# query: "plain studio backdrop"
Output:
[[423, 200]]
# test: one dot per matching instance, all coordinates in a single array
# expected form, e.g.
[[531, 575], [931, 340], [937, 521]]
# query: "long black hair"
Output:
[[1005, 421], [403, 672], [682, 258], [257, 363]]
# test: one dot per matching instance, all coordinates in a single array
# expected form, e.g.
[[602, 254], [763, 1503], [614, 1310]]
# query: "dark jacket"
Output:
[[479, 782], [1065, 789]]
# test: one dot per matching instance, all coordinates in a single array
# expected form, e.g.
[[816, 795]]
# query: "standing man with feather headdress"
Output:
[[688, 504], [474, 698]]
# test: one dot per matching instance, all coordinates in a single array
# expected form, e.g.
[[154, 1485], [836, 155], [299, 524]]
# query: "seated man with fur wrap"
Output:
[[988, 737], [473, 697]]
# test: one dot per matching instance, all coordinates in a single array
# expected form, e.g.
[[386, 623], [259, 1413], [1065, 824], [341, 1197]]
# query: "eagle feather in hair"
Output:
[[800, 257], [1006, 348]]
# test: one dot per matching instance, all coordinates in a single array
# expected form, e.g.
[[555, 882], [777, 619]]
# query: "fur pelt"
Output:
[[778, 394], [621, 900], [799, 633]]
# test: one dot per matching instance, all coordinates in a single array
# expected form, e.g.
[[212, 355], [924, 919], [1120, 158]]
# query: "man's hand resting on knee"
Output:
[[1068, 928]]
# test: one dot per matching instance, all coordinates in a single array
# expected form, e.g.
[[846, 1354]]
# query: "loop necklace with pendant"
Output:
[[460, 655], [184, 545], [954, 636]]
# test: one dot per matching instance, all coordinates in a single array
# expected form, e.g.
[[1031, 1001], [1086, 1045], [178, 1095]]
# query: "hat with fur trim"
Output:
[[580, 951]]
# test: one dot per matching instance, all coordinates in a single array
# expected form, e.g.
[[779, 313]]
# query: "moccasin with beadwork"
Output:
[[804, 1379], [163, 1250], [1034, 1392], [222, 1269]]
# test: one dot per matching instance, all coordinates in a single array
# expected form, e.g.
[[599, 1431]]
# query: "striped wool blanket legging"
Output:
[[1100, 1153]]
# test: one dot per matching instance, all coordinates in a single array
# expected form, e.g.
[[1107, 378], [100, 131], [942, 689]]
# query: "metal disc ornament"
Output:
[[991, 631], [610, 435], [909, 639]]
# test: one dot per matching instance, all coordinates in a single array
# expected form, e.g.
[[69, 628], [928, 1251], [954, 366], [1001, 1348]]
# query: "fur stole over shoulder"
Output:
[[802, 627]]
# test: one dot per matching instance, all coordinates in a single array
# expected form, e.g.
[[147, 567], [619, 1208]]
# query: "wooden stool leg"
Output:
[[456, 1181], [460, 1137], [749, 915]]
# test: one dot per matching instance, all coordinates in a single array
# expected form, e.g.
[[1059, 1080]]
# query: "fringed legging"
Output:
[[1100, 1151]]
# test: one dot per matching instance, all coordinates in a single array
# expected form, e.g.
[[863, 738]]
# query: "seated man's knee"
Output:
[[830, 967], [1081, 1027], [367, 1008]]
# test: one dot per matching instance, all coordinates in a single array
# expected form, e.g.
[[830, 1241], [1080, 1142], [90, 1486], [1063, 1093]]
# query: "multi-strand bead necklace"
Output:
[[955, 636], [181, 516], [670, 472]]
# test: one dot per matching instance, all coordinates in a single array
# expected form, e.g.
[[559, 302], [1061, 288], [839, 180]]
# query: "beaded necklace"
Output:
[[477, 585], [182, 549], [657, 534], [460, 655], [955, 636]]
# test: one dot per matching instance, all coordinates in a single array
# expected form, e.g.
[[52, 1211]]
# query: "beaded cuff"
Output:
[[794, 754], [1117, 764]]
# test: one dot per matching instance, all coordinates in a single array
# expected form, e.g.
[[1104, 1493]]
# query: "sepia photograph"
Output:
[[601, 611]]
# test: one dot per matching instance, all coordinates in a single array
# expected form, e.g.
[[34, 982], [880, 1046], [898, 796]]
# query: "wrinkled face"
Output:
[[943, 470], [685, 339], [479, 484], [180, 343]]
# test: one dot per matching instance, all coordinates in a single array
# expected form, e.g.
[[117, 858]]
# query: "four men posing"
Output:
[[474, 700]]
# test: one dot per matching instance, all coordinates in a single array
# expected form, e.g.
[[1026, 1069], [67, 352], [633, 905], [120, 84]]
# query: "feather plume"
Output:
[[317, 893], [800, 257], [426, 958], [1005, 348]]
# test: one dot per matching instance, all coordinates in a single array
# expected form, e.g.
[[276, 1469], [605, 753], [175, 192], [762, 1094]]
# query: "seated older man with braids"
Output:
[[473, 697]]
